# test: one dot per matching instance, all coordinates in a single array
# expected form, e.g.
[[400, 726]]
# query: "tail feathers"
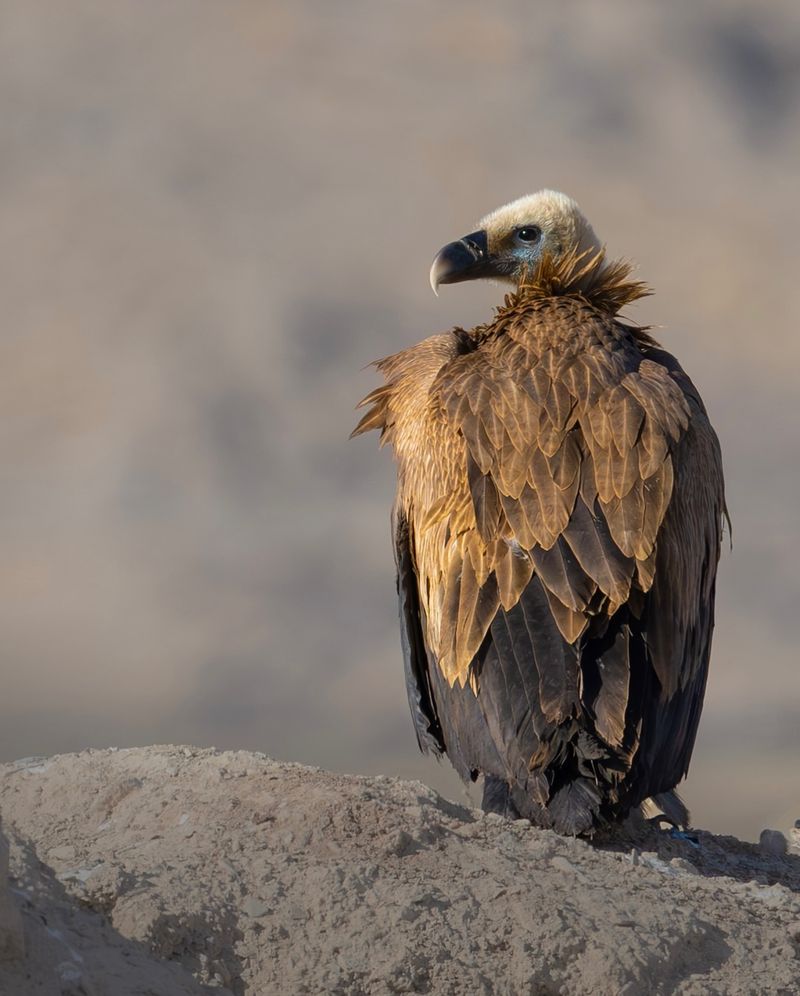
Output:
[[575, 808], [497, 798], [670, 805], [572, 810], [551, 726]]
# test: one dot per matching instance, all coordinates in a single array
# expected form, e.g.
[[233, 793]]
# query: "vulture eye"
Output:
[[529, 234]]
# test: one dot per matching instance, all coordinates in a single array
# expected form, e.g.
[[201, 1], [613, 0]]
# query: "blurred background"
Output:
[[214, 215]]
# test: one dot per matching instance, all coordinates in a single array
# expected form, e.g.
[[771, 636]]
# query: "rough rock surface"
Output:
[[171, 870]]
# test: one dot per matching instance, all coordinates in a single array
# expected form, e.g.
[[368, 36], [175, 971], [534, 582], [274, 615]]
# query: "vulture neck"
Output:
[[606, 286], [586, 278]]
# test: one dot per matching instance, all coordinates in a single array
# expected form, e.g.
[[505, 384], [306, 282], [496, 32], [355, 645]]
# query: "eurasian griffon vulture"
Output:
[[557, 530]]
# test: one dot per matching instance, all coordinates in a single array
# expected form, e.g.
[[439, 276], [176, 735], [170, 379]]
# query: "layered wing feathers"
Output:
[[565, 430]]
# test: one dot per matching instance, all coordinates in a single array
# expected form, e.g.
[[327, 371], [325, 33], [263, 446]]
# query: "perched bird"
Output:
[[557, 529]]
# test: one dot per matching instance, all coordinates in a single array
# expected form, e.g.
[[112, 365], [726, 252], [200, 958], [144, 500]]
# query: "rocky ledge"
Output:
[[173, 870]]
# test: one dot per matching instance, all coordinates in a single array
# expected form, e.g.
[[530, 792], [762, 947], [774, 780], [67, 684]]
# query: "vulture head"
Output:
[[511, 241]]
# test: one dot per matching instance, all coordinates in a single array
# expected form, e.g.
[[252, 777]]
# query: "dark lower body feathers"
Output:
[[570, 737]]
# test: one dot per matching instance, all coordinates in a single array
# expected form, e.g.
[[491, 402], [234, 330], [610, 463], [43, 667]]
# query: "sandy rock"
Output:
[[772, 842], [299, 881], [682, 864]]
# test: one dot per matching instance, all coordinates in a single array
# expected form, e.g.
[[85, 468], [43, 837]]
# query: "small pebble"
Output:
[[65, 852], [229, 867], [562, 864], [682, 865], [254, 908], [772, 842], [402, 843]]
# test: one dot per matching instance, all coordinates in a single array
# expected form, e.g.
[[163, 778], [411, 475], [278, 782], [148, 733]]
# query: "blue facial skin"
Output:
[[527, 247], [522, 251]]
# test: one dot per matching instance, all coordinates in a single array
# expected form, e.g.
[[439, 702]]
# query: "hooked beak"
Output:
[[466, 259]]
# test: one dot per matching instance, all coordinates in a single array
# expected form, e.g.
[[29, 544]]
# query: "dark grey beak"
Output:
[[466, 259]]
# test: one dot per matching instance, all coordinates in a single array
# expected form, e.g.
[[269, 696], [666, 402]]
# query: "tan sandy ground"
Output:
[[172, 870]]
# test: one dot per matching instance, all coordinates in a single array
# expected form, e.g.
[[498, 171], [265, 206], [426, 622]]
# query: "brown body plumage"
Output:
[[557, 530]]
